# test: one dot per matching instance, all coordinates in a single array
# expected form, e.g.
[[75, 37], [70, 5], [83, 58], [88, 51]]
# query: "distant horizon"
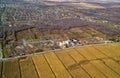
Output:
[[84, 0]]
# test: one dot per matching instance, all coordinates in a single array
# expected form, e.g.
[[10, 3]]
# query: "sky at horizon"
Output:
[[89, 0]]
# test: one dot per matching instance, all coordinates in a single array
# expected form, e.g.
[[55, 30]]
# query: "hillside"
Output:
[[97, 61]]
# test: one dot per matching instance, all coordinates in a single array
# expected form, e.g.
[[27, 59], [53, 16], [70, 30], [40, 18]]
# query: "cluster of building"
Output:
[[68, 43], [53, 43], [27, 47], [61, 44]]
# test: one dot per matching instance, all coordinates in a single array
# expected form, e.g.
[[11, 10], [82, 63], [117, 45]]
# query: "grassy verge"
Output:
[[3, 48]]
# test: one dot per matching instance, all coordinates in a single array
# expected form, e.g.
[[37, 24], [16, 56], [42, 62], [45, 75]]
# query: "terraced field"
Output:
[[96, 61]]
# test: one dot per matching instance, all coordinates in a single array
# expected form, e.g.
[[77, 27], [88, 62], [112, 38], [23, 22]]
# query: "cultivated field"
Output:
[[57, 34], [97, 61], [87, 5]]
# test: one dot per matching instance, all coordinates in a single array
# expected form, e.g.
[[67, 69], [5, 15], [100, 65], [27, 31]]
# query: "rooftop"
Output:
[[97, 61]]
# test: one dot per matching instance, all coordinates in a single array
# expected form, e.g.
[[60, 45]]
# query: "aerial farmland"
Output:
[[59, 39]]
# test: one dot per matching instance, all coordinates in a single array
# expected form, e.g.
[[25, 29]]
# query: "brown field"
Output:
[[108, 52], [95, 52], [23, 34], [27, 68], [11, 69], [57, 67], [97, 61], [0, 68], [105, 69], [76, 32], [85, 54], [42, 67], [70, 64], [87, 5], [113, 65], [37, 33]]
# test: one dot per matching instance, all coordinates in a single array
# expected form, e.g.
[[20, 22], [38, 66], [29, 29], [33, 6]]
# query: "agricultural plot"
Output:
[[42, 67], [37, 33], [114, 47], [11, 69], [71, 65], [94, 52], [74, 53], [90, 68], [1, 68], [93, 71], [94, 32], [53, 34], [27, 68], [105, 69], [79, 32], [113, 65], [87, 5], [78, 62], [117, 59], [109, 50], [23, 34], [57, 34], [85, 53], [56, 65]]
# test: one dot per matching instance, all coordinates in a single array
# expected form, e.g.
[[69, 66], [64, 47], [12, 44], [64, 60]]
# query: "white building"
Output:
[[63, 44]]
